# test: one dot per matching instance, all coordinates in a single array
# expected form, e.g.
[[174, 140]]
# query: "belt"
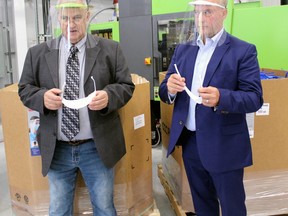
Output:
[[75, 142]]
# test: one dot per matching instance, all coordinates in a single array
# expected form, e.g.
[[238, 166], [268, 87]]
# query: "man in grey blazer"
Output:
[[99, 143]]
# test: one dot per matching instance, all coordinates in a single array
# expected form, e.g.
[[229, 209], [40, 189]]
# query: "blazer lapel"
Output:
[[91, 55], [92, 51], [218, 54], [52, 62], [189, 66]]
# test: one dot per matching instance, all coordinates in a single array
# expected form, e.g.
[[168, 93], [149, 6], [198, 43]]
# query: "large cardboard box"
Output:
[[269, 135], [133, 174], [266, 181], [173, 167], [28, 188], [265, 185]]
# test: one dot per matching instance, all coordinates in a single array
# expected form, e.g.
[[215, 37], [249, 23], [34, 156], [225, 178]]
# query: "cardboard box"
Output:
[[265, 185], [133, 174], [173, 167], [265, 190], [28, 188], [270, 142]]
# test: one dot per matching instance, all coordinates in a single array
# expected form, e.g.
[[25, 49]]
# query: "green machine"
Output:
[[109, 30], [148, 37]]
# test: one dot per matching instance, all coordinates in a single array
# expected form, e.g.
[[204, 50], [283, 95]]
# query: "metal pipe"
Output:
[[8, 53], [96, 14], [37, 22], [45, 10]]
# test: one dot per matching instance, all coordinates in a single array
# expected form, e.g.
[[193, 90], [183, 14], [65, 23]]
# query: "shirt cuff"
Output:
[[171, 97]]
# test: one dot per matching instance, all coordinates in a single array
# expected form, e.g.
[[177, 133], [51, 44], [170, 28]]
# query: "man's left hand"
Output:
[[210, 96], [99, 101]]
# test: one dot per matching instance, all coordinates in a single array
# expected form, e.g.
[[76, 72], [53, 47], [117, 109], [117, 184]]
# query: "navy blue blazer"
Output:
[[222, 135]]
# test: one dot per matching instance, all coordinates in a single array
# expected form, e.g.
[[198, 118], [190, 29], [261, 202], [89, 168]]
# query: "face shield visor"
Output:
[[203, 19], [68, 24], [68, 18]]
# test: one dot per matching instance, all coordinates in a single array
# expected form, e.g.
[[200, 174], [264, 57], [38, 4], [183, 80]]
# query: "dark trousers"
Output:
[[212, 190]]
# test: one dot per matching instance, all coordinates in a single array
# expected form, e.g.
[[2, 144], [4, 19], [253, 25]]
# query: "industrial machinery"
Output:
[[148, 37]]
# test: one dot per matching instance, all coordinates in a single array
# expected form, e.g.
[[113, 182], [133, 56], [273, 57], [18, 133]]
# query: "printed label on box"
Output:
[[250, 118], [139, 121], [264, 110], [33, 124]]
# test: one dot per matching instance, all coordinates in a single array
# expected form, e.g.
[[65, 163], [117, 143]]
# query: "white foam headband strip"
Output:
[[203, 2]]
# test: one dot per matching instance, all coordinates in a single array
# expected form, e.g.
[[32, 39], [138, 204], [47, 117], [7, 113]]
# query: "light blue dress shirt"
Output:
[[203, 57]]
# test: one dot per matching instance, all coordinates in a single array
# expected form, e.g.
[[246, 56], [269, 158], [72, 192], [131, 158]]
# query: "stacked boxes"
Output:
[[133, 174]]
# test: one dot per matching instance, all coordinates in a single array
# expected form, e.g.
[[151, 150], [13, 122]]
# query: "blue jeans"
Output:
[[63, 174]]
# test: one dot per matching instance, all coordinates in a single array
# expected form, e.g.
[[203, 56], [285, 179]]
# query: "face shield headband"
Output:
[[206, 3], [71, 5]]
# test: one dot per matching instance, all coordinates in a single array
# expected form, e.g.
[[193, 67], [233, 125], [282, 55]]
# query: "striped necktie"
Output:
[[70, 126]]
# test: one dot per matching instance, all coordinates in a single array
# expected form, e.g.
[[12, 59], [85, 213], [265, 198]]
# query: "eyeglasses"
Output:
[[205, 13], [75, 19]]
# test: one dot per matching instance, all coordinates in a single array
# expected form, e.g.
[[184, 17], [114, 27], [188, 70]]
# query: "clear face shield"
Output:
[[68, 18], [204, 19], [69, 21]]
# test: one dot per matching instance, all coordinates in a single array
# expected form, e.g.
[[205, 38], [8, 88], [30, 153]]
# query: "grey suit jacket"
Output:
[[106, 63]]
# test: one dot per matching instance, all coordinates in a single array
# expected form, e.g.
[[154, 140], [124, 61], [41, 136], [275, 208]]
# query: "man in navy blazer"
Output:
[[224, 72]]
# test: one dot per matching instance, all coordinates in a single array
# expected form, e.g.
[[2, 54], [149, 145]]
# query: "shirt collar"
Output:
[[79, 45]]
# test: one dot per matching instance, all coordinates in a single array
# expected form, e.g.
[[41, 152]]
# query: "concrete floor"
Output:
[[160, 197]]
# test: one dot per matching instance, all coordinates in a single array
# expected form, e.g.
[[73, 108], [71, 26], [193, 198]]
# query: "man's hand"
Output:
[[52, 100], [210, 96], [99, 101], [175, 84]]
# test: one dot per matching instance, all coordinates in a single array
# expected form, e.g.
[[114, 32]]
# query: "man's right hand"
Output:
[[175, 84], [52, 100]]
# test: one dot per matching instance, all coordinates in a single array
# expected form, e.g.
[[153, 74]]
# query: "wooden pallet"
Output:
[[155, 210], [173, 201], [151, 211]]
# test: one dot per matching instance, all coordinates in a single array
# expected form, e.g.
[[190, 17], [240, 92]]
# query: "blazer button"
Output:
[[181, 122]]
